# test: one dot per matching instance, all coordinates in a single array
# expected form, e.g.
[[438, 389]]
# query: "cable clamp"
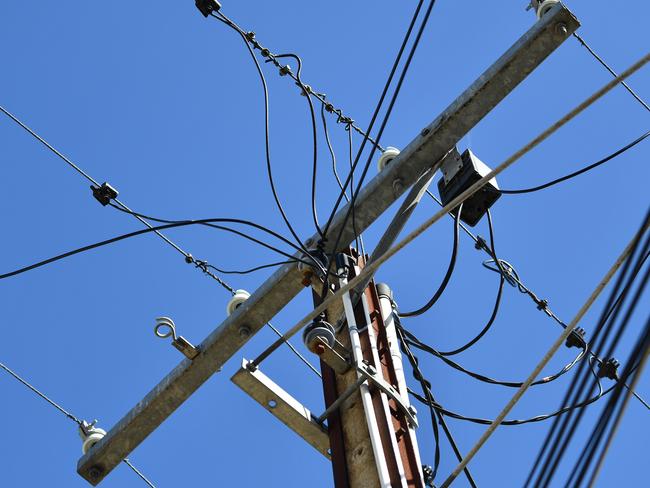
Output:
[[609, 369], [206, 7], [104, 193], [427, 474], [576, 338], [542, 305], [285, 70], [480, 244]]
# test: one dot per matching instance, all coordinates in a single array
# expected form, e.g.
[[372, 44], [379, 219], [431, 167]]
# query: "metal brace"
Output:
[[179, 342], [369, 373]]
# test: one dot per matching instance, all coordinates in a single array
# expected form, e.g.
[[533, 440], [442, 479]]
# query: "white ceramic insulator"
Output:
[[545, 6], [93, 438], [237, 299], [386, 157]]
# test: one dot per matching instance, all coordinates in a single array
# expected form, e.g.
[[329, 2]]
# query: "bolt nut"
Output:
[[244, 331], [561, 28], [425, 131], [398, 185], [95, 472]]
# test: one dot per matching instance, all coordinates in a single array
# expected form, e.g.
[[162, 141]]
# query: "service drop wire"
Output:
[[539, 418], [116, 239], [497, 301], [65, 412], [234, 231], [312, 114], [412, 340], [267, 137], [450, 270], [580, 171]]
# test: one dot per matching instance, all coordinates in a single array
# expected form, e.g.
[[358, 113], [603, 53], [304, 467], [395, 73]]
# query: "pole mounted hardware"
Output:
[[90, 435], [179, 342], [430, 145], [206, 7], [104, 193], [459, 172]]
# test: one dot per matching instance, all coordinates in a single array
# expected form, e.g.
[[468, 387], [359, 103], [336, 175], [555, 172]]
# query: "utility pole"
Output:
[[423, 154], [372, 437]]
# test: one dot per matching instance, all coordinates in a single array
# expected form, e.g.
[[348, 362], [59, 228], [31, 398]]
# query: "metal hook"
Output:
[[179, 342], [165, 322]]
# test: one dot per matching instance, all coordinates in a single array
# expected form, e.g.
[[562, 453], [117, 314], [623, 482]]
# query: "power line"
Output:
[[613, 73], [574, 392], [389, 110], [97, 185], [450, 270], [286, 71], [66, 413], [372, 266], [580, 171], [545, 359], [267, 149]]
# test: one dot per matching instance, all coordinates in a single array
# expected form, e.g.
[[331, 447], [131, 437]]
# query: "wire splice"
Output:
[[104, 193]]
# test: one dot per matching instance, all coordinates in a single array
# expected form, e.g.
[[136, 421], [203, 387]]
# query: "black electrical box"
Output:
[[459, 172]]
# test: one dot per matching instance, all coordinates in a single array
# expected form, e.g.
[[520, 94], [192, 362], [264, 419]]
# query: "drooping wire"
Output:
[[234, 231], [118, 202], [612, 72], [436, 416], [314, 137], [266, 53], [66, 413], [250, 270], [122, 237], [539, 418], [497, 301], [450, 270], [580, 171], [267, 142], [412, 340]]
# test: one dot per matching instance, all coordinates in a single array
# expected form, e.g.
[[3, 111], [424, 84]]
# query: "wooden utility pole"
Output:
[[372, 441]]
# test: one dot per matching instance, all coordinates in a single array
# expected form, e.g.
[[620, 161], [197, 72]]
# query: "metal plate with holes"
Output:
[[283, 406]]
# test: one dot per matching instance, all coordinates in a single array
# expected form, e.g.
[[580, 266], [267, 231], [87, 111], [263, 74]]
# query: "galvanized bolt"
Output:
[[244, 331], [561, 29], [398, 185], [425, 131], [94, 472]]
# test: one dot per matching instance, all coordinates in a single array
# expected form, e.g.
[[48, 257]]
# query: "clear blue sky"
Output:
[[166, 106]]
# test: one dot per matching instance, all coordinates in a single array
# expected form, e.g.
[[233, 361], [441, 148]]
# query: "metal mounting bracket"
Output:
[[282, 406]]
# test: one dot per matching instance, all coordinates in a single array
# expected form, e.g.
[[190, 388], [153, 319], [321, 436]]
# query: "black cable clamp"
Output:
[[576, 338], [104, 193], [285, 70], [427, 473], [480, 244], [542, 305], [206, 7], [609, 369]]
